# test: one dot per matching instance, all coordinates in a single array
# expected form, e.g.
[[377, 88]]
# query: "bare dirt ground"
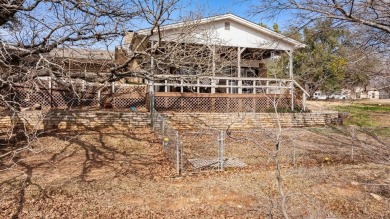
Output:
[[126, 175]]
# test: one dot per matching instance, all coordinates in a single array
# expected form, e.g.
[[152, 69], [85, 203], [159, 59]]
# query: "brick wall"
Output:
[[248, 120]]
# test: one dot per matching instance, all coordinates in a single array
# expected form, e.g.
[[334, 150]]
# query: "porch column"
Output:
[[213, 52], [213, 69], [212, 48], [151, 86], [239, 52], [291, 74]]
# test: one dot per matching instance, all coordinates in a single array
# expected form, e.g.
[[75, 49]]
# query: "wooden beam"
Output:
[[190, 94]]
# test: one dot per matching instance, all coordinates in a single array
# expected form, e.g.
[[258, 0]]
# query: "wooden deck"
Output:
[[222, 102]]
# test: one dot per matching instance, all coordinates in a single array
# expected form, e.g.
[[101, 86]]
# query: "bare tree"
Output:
[[37, 27], [41, 38], [369, 18], [373, 14], [31, 32]]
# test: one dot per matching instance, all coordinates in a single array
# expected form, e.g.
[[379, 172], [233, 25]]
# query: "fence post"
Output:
[[153, 119], [292, 96], [221, 150], [163, 126], [98, 97], [177, 152], [51, 93], [353, 142], [181, 155], [112, 87]]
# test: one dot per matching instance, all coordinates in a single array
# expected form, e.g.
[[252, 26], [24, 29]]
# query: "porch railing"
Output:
[[231, 85]]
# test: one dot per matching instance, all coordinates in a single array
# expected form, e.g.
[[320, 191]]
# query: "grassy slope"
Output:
[[368, 115]]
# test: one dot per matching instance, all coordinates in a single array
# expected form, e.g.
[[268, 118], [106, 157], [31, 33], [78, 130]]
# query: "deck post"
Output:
[[213, 51], [213, 86], [227, 88], [113, 87], [254, 87], [165, 86], [151, 87], [197, 87], [290, 54], [181, 85], [212, 48], [213, 70], [239, 52]]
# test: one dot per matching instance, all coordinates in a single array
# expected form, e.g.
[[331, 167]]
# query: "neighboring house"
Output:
[[369, 92], [79, 60], [250, 47], [373, 94], [384, 92]]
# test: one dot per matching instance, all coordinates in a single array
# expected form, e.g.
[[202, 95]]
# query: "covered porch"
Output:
[[246, 75], [222, 57]]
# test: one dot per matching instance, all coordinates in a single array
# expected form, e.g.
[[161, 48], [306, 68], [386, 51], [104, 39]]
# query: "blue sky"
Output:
[[241, 8], [208, 8]]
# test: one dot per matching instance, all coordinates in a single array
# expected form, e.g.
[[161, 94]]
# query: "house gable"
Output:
[[226, 30]]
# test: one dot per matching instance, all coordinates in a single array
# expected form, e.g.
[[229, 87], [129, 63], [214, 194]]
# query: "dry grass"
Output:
[[126, 175]]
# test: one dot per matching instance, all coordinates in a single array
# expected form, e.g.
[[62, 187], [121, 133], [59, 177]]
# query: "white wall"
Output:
[[373, 94], [239, 35]]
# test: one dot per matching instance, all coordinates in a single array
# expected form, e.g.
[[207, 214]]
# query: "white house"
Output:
[[369, 92], [253, 44], [228, 54]]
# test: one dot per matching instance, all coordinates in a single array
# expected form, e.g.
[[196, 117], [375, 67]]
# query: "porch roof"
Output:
[[241, 33]]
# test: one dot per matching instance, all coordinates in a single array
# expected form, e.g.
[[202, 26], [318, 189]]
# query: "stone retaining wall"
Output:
[[82, 120], [73, 120], [249, 120]]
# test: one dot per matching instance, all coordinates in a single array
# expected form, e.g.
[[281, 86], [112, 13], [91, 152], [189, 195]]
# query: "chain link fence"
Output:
[[218, 150], [202, 150], [169, 138]]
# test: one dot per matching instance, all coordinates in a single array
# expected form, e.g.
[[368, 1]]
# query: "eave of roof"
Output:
[[234, 18]]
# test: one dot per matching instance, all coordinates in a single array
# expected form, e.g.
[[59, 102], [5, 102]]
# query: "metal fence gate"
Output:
[[194, 151], [190, 151]]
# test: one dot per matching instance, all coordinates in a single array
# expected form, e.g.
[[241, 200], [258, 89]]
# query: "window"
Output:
[[251, 73], [227, 25]]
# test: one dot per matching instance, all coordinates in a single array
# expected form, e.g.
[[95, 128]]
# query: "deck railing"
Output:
[[231, 85]]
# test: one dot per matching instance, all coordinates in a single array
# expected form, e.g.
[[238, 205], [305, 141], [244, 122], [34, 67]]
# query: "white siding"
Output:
[[239, 35]]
